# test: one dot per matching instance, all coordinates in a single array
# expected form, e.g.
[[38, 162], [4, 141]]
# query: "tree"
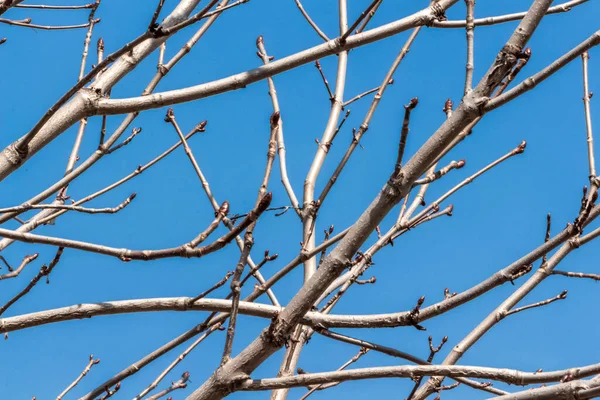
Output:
[[267, 309]]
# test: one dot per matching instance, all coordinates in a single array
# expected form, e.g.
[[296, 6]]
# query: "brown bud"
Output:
[[448, 106], [3, 40], [450, 209], [133, 195], [412, 103], [460, 164], [100, 44], [201, 127], [170, 115], [259, 41], [521, 148], [526, 54], [391, 81], [26, 21], [563, 294], [331, 229]]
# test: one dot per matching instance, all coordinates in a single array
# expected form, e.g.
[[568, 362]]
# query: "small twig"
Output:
[[369, 17], [87, 369], [432, 352], [547, 237], [470, 27], [134, 133], [587, 96], [311, 22], [180, 384], [184, 250], [44, 271], [318, 65], [45, 7], [368, 92], [152, 25], [110, 393], [27, 24], [403, 355], [404, 133], [355, 358], [213, 288], [362, 16], [438, 174], [366, 281], [595, 277], [446, 211], [561, 296], [107, 210], [12, 273]]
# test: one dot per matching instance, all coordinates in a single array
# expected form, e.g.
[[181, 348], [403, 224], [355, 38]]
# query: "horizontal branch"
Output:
[[107, 210], [500, 19], [241, 80], [185, 250], [27, 24], [506, 375]]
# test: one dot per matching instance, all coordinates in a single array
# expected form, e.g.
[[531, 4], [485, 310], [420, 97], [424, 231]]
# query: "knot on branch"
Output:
[[277, 333], [437, 13]]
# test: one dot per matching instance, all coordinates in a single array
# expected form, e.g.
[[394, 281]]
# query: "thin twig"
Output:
[[318, 65], [595, 277], [281, 152], [85, 371], [547, 237], [322, 386], [362, 16], [108, 210], [46, 27], [470, 27], [404, 133], [587, 96], [185, 250], [12, 272], [125, 142], [561, 296], [311, 22], [369, 17], [403, 355], [180, 384], [110, 393], [368, 92], [438, 174], [159, 7], [45, 7], [44, 271]]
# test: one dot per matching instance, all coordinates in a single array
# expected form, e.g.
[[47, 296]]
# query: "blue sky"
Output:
[[496, 220]]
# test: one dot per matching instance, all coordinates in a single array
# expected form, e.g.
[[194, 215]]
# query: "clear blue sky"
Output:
[[496, 220]]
